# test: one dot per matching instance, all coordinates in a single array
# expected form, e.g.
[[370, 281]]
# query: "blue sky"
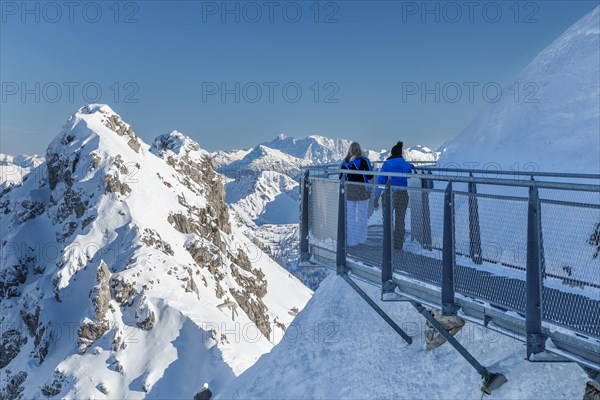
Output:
[[234, 74]]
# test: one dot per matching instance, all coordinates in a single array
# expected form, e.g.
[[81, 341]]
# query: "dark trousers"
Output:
[[400, 202]]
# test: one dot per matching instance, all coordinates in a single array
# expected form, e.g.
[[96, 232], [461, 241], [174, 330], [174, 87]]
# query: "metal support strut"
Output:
[[536, 340], [491, 380], [304, 205], [377, 309], [387, 284]]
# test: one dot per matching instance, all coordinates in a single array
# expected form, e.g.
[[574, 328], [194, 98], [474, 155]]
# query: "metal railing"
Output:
[[518, 256]]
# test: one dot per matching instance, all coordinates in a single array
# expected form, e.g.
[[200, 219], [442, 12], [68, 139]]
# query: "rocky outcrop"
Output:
[[198, 169], [115, 123], [54, 387], [253, 288], [206, 255], [145, 315], [152, 238], [199, 221], [26, 210], [123, 291], [433, 339], [191, 285], [112, 184], [14, 386], [10, 345], [100, 297], [20, 260], [592, 391]]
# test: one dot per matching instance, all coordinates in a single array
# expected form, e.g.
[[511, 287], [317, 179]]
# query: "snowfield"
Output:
[[339, 348]]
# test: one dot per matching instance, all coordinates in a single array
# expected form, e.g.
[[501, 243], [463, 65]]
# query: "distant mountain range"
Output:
[[262, 185]]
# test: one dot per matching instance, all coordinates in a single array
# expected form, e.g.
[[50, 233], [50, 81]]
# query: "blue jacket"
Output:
[[395, 164]]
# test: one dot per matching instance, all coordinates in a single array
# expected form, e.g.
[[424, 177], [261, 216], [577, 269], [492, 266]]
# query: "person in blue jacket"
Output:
[[396, 163], [358, 193]]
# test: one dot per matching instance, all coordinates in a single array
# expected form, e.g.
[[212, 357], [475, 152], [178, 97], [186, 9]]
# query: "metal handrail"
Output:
[[567, 175], [486, 181], [516, 173]]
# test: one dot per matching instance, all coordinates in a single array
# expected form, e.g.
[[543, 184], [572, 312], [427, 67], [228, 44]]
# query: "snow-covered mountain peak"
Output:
[[177, 143], [139, 243]]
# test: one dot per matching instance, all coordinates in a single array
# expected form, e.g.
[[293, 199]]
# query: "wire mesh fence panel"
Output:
[[571, 274], [364, 229], [417, 222], [323, 216], [498, 226]]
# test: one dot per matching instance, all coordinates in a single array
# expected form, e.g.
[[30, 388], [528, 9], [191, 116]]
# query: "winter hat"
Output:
[[397, 149]]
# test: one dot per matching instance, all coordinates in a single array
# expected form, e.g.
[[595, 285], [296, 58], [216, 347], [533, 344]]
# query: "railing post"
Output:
[[341, 231], [448, 255], [304, 229], [474, 230], [533, 311], [386, 263], [426, 220]]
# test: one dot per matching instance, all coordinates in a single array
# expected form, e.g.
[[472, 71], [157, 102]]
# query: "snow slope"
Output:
[[560, 131], [222, 157], [339, 348], [14, 169], [267, 198], [121, 275], [558, 127]]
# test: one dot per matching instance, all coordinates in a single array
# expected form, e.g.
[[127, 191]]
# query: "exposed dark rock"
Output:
[[220, 292], [147, 323], [203, 173], [592, 391], [87, 220], [26, 210], [151, 238], [206, 255], [96, 159], [100, 294], [53, 388], [116, 124], [102, 388], [10, 346], [31, 319], [14, 386], [134, 144], [433, 339], [16, 273], [112, 184], [58, 170], [42, 344], [191, 285], [89, 332], [123, 291]]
